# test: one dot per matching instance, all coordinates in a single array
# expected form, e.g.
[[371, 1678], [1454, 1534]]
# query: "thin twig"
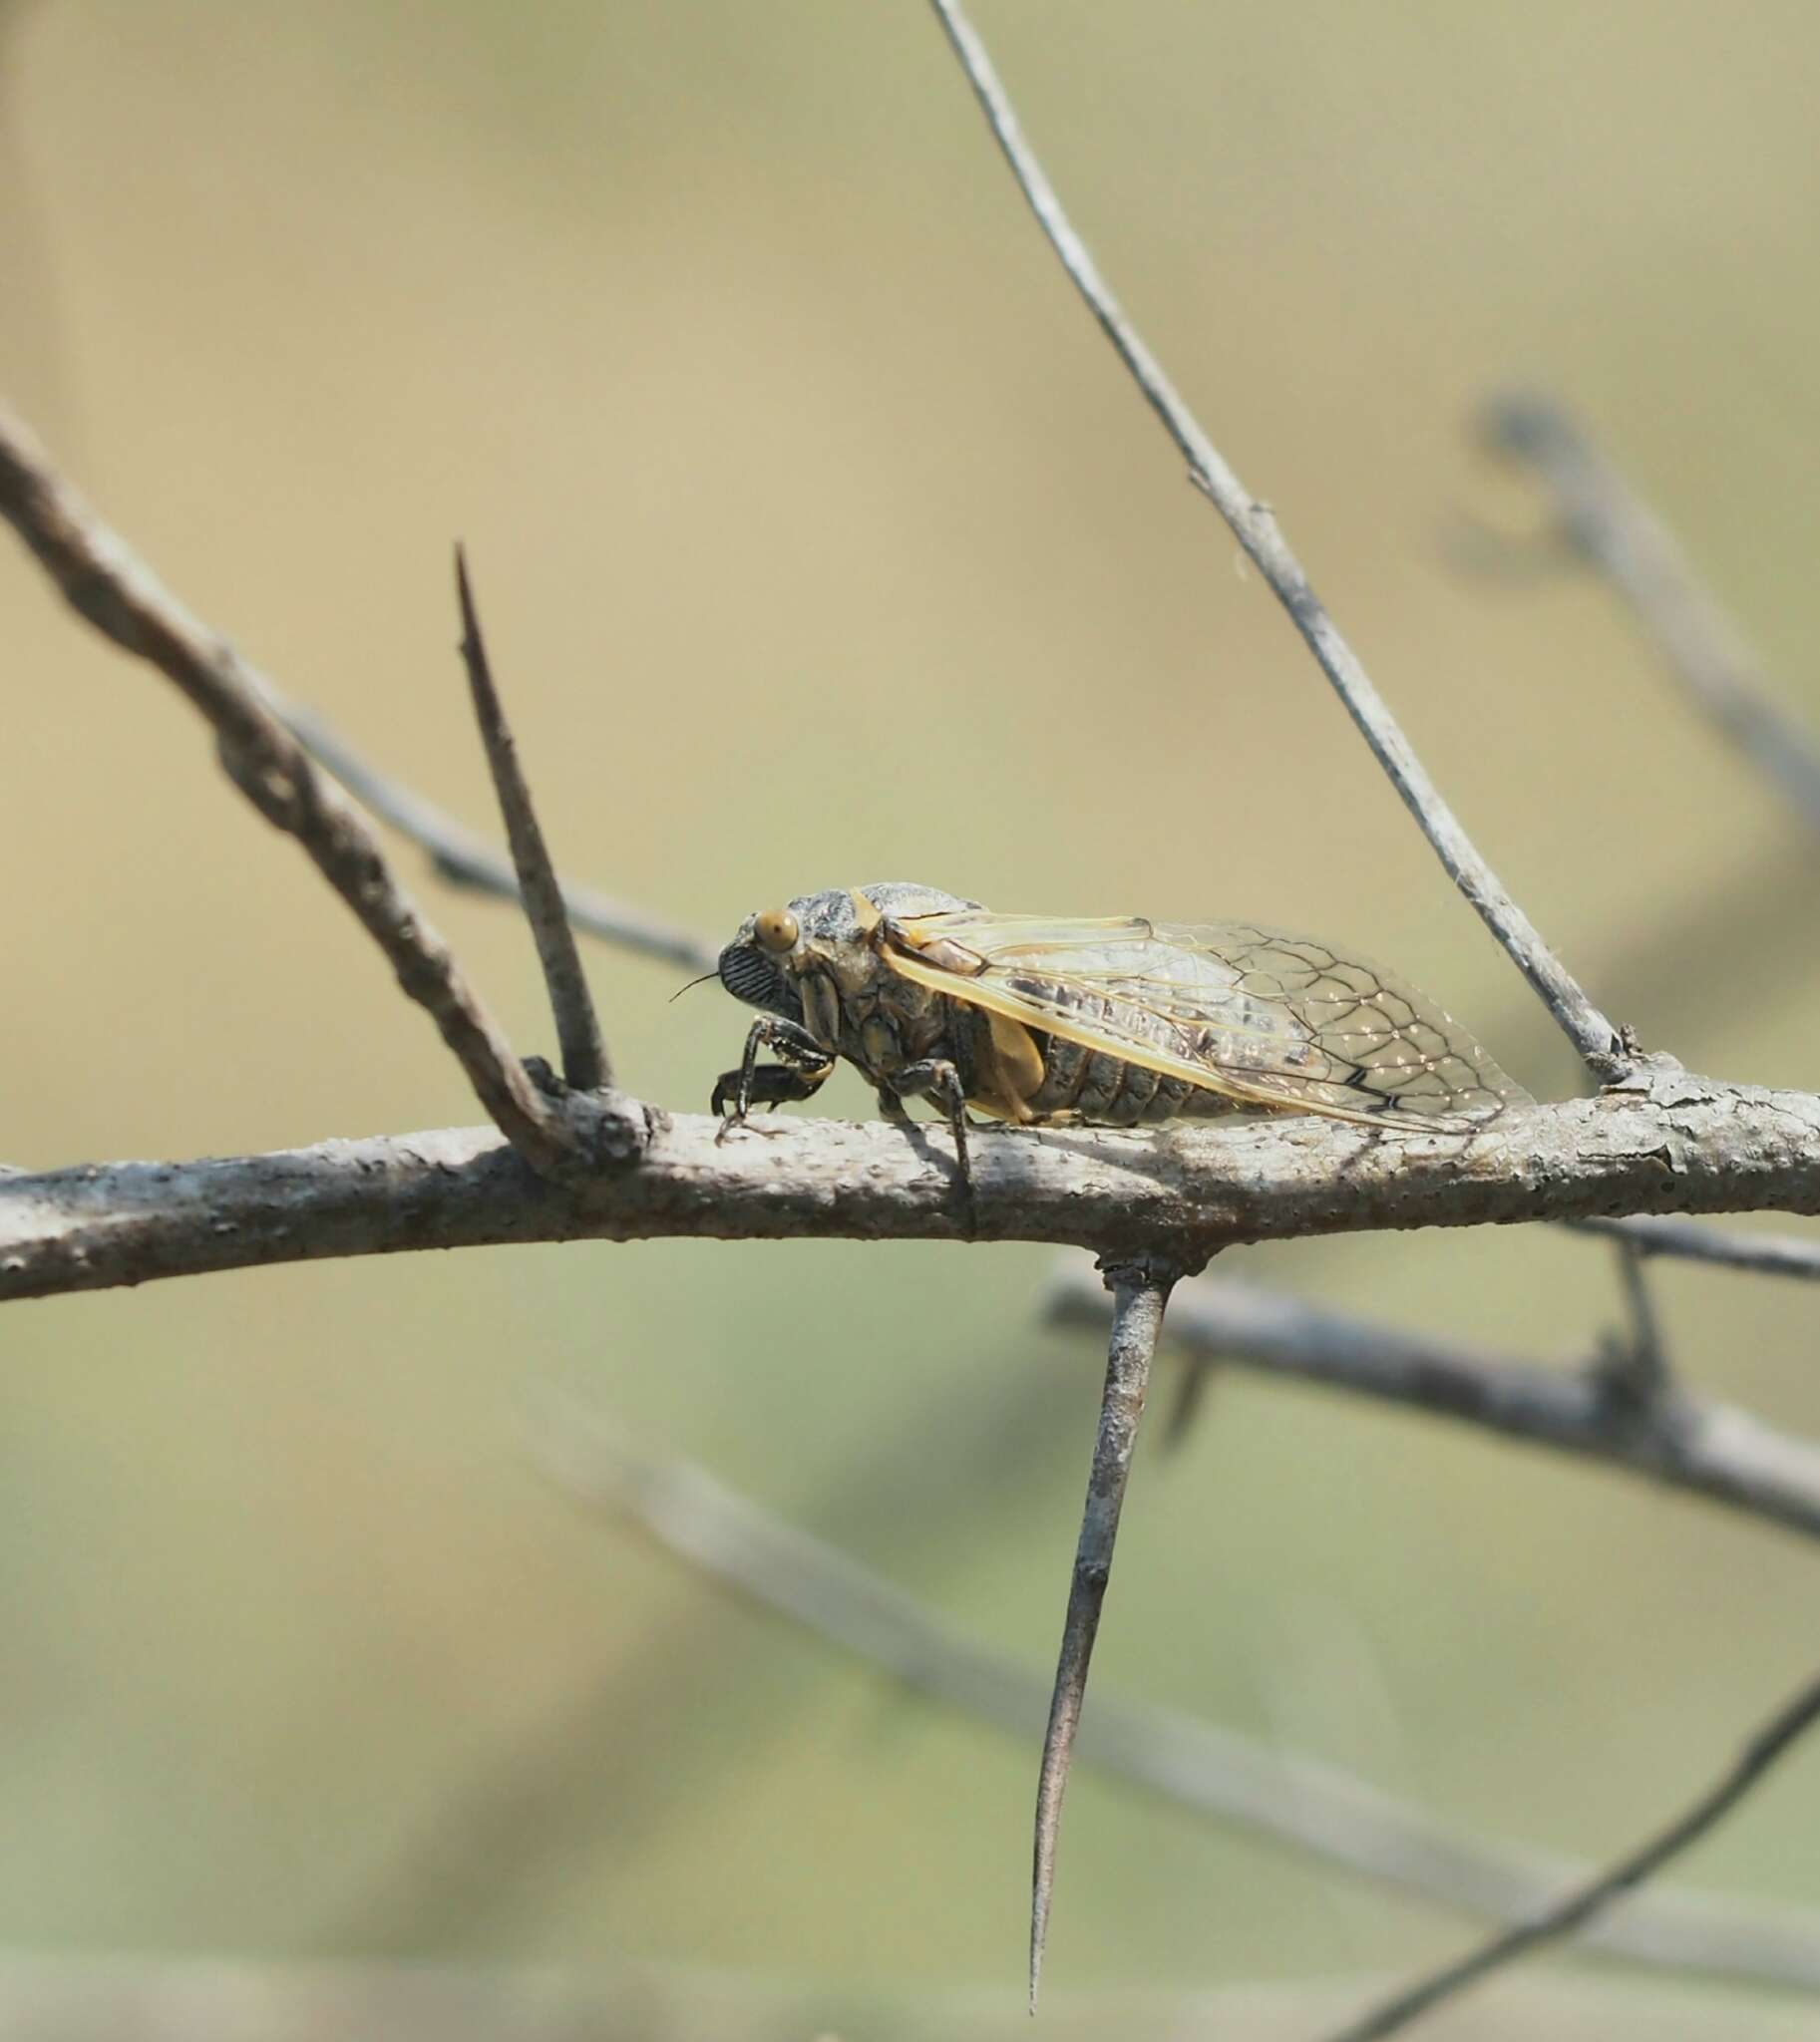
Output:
[[1645, 1355], [1191, 1392], [1680, 1441], [1612, 527], [1139, 1294], [1763, 1255], [1312, 1807], [462, 860], [1588, 1902], [1255, 526], [584, 1064], [123, 599]]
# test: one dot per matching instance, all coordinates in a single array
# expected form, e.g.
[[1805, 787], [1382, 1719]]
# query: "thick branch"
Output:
[[1622, 537], [127, 603], [1255, 526], [1674, 1143], [1681, 1441]]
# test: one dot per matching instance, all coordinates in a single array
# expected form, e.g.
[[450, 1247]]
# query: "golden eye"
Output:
[[775, 929]]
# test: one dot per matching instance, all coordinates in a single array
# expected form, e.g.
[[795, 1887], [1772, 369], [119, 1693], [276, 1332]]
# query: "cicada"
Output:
[[1043, 1019]]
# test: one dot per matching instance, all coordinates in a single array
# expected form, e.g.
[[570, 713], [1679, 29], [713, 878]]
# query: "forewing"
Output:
[[1257, 1014]]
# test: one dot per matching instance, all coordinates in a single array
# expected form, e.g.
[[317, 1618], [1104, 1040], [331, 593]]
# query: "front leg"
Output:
[[937, 1080], [800, 1071]]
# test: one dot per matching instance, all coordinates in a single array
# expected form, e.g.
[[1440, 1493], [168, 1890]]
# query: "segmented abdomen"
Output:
[[1098, 1086]]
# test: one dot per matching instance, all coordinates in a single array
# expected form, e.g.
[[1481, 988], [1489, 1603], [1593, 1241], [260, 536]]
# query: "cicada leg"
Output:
[[799, 1072], [938, 1081]]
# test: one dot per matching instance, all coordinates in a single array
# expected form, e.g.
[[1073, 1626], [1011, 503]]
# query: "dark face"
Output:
[[765, 961]]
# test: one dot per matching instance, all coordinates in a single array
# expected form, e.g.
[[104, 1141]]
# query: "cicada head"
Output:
[[822, 933]]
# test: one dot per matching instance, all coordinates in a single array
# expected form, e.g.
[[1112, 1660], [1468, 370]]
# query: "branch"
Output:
[[1139, 1294], [125, 602], [1763, 1254], [1310, 1806], [584, 1064], [1678, 1440], [130, 1996], [1588, 1902], [1677, 1143], [1642, 1355], [461, 859], [1612, 527], [1255, 526]]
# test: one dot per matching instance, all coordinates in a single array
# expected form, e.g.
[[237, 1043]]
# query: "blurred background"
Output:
[[819, 539]]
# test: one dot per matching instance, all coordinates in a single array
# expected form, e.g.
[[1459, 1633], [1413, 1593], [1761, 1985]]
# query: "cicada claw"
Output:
[[938, 1081], [799, 1072]]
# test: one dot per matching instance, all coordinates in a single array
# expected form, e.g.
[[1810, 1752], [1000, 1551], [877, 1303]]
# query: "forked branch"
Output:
[[123, 599], [461, 859]]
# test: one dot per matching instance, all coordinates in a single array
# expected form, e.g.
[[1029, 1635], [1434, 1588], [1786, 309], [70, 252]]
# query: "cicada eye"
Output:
[[775, 929]]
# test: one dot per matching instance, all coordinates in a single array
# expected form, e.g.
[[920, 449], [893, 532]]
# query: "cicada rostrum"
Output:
[[1043, 1019]]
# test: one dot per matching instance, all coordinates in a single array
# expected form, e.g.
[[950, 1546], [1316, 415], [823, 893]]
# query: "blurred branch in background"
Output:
[[1309, 1805], [1609, 524], [1678, 1440], [1762, 1255], [131, 1999], [464, 860], [1588, 1903], [1633, 1364]]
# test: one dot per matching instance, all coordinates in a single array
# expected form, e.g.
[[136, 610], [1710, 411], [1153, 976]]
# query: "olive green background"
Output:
[[820, 539]]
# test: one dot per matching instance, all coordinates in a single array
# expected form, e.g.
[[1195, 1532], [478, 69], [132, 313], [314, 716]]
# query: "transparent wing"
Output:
[[1257, 1014]]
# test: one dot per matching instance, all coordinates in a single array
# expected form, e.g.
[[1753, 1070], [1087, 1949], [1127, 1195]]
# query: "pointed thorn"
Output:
[[1139, 1296]]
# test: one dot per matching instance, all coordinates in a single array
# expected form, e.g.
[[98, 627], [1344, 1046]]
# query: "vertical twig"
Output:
[[1612, 527], [584, 1065], [1255, 526], [1197, 1380], [1645, 1356], [1587, 1901], [1139, 1292]]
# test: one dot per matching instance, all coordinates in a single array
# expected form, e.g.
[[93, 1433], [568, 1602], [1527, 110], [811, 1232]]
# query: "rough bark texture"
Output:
[[1666, 1142]]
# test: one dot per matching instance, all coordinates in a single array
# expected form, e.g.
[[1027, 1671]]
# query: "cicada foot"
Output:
[[800, 1071], [938, 1081]]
